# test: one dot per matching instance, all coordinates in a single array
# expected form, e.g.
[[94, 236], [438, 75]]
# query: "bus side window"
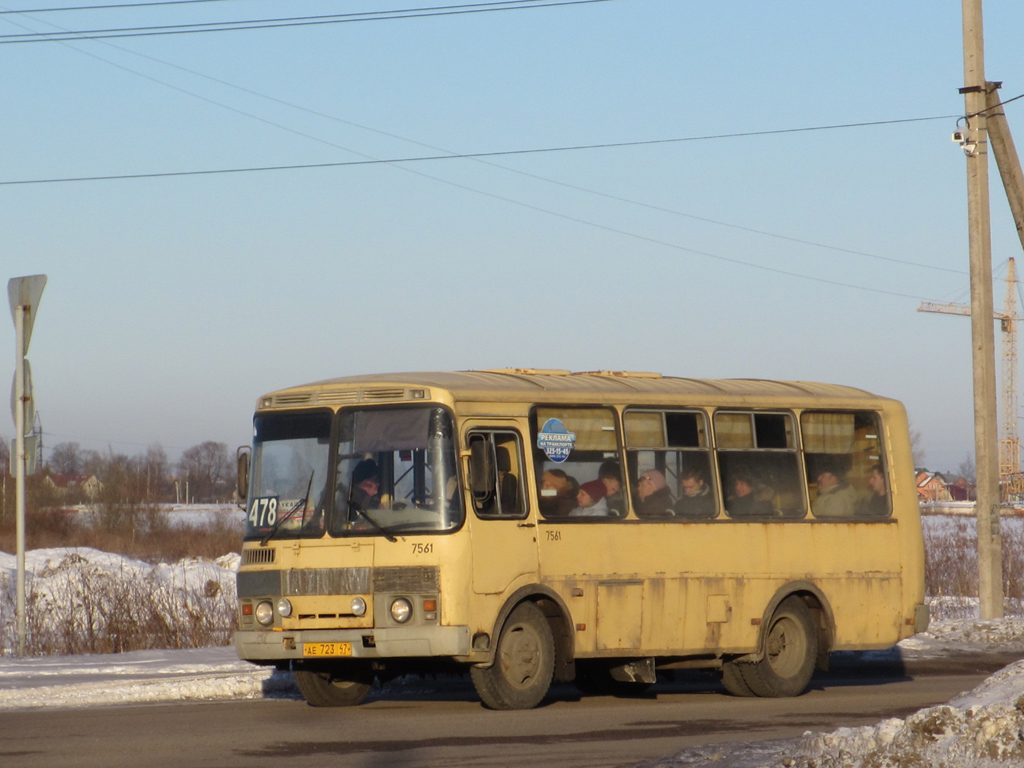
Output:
[[668, 458], [759, 464], [504, 498], [575, 451], [846, 474]]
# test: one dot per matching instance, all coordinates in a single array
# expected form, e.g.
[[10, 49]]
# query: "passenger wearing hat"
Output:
[[366, 484], [653, 496], [836, 497], [557, 493], [610, 474], [590, 498]]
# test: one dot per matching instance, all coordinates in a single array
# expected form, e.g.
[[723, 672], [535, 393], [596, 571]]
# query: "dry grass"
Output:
[[143, 533], [80, 608], [951, 565]]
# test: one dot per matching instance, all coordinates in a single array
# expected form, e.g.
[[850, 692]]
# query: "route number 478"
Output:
[[263, 512]]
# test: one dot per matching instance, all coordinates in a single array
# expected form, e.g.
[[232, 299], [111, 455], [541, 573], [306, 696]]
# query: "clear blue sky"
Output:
[[173, 303]]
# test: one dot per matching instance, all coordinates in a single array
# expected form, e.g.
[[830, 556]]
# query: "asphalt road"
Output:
[[444, 725]]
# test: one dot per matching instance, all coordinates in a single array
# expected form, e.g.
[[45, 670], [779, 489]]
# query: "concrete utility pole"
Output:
[[1007, 159], [986, 436]]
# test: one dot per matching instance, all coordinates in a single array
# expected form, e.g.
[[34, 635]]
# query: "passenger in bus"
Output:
[[611, 475], [366, 484], [655, 499], [557, 493], [875, 504], [745, 501], [695, 497], [836, 497], [591, 500]]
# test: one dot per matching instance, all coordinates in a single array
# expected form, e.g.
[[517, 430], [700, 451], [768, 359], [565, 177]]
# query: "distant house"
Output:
[[69, 485], [963, 489], [932, 486], [935, 486]]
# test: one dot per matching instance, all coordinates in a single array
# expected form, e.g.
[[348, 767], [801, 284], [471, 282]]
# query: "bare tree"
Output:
[[156, 469], [130, 491], [93, 463], [206, 468], [66, 459], [967, 470], [916, 450]]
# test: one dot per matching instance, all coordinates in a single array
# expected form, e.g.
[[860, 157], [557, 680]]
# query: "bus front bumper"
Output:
[[384, 643]]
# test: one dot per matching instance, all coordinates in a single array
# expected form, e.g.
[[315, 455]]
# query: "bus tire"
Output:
[[733, 680], [344, 687], [524, 662], [790, 651]]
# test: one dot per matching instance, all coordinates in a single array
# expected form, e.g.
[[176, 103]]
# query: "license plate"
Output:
[[327, 649]]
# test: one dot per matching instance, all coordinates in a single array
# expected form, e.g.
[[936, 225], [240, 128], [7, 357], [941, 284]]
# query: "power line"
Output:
[[115, 442], [294, 21], [539, 177], [730, 225], [461, 156], [446, 181], [111, 6]]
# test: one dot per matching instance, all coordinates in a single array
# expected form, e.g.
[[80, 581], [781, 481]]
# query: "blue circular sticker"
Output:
[[555, 440]]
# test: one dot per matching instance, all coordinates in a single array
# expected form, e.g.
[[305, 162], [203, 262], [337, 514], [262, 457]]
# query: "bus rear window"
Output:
[[846, 475]]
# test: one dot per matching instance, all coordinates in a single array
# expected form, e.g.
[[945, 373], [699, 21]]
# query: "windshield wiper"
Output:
[[353, 504], [301, 504]]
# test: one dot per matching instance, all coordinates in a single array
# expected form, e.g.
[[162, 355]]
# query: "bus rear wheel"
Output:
[[524, 663], [791, 646], [733, 681], [341, 687]]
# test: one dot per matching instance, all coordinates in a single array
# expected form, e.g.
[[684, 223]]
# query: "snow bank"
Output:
[[137, 677], [982, 728], [81, 600]]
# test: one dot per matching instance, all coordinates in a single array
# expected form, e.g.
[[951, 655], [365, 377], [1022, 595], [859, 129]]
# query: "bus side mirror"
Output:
[[481, 467], [243, 455]]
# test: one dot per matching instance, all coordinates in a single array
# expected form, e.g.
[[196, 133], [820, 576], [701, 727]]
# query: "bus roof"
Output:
[[540, 385]]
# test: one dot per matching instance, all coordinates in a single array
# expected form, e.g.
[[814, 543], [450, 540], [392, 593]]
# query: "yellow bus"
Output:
[[533, 526]]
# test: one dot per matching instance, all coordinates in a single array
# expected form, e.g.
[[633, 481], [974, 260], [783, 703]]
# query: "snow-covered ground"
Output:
[[979, 729]]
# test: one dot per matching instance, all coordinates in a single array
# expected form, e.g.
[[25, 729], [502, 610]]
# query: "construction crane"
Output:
[[1011, 480]]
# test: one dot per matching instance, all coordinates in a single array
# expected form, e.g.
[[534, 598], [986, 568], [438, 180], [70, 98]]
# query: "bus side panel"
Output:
[[706, 586]]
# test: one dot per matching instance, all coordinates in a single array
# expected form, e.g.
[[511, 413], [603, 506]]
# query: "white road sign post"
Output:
[[24, 294]]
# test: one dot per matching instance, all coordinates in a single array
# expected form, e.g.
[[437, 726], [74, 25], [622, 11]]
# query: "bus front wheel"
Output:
[[791, 646], [344, 687], [524, 663]]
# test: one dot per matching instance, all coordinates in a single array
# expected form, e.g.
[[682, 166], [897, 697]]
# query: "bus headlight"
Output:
[[265, 613], [358, 606], [401, 610], [284, 607]]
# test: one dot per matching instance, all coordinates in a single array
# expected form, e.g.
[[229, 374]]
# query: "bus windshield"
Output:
[[393, 472], [287, 495], [396, 473]]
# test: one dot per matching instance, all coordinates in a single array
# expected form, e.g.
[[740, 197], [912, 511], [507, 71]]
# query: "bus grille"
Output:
[[384, 394], [340, 581], [293, 398], [342, 396], [258, 556], [339, 396]]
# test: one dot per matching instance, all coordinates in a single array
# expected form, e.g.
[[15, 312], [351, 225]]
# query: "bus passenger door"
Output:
[[504, 538]]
